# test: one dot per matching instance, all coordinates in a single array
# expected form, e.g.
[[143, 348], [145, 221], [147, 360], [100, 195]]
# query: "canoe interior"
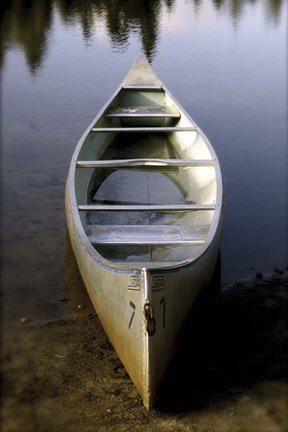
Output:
[[146, 236]]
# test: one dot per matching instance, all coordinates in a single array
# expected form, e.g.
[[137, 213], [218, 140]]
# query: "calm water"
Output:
[[224, 60]]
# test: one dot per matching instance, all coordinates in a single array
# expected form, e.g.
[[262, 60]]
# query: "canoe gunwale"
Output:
[[72, 204], [140, 292]]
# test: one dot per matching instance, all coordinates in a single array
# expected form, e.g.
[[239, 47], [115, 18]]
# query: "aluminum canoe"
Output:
[[144, 209]]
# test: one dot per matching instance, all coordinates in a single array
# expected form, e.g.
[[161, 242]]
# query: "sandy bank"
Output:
[[230, 374]]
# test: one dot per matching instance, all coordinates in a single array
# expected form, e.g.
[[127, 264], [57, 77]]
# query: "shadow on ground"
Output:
[[236, 339]]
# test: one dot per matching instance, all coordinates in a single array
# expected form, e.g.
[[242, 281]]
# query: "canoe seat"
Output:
[[144, 111], [154, 235]]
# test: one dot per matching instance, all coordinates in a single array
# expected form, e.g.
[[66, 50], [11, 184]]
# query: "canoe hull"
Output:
[[143, 305], [119, 298]]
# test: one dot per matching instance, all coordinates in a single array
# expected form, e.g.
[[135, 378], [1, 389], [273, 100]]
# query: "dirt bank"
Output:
[[230, 374]]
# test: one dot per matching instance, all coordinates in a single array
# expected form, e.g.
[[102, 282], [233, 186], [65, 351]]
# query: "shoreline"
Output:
[[229, 375]]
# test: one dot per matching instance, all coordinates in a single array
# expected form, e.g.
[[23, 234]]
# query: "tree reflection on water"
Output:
[[26, 23]]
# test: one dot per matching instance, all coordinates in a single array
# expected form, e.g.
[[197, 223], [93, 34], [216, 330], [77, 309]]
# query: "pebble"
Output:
[[63, 299]]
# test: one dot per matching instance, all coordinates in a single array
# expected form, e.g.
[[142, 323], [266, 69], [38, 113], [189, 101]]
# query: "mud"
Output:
[[230, 373]]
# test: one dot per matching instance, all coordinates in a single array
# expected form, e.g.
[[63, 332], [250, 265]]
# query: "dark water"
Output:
[[225, 62]]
